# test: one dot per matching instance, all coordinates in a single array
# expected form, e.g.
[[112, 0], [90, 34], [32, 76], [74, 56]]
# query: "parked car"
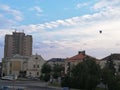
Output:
[[10, 77]]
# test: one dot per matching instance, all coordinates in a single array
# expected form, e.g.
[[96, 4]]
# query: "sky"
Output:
[[61, 28]]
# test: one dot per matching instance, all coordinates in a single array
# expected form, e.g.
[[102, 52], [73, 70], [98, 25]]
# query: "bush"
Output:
[[65, 81], [46, 77]]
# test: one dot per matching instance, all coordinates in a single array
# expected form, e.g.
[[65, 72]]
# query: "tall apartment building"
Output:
[[18, 43]]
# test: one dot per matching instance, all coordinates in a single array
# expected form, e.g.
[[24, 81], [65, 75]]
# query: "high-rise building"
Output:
[[18, 43]]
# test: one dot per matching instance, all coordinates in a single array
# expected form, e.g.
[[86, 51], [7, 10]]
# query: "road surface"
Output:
[[27, 85]]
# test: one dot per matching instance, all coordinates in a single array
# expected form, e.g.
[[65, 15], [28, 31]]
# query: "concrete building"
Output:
[[57, 61], [116, 61], [34, 66], [19, 65], [18, 43]]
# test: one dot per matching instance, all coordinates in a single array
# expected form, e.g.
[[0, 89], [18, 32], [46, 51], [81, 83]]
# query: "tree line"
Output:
[[86, 75]]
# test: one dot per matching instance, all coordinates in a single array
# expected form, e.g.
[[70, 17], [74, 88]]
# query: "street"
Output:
[[26, 85]]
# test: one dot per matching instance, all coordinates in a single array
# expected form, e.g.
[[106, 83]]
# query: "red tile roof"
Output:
[[77, 57], [80, 56]]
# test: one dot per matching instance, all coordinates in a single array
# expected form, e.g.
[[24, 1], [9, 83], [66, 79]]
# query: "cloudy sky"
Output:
[[61, 28]]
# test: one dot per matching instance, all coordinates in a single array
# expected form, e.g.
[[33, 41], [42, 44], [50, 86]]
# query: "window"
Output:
[[33, 66], [37, 73], [10, 64], [10, 72], [36, 57], [30, 73], [37, 66]]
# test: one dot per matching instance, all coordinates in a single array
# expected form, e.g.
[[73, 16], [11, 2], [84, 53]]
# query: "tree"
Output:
[[57, 69], [117, 86], [108, 78], [46, 70], [22, 74], [110, 65], [86, 75]]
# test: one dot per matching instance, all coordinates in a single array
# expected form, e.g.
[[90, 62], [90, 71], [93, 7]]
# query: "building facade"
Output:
[[74, 60], [57, 61], [23, 66], [17, 43], [116, 61], [34, 66]]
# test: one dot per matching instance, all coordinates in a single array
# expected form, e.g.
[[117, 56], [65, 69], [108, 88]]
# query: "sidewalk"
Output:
[[40, 84]]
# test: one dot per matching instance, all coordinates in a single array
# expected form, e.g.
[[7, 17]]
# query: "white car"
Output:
[[10, 77]]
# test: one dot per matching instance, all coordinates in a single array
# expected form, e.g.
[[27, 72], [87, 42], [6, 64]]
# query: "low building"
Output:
[[22, 65], [74, 60], [59, 61], [116, 61], [34, 65]]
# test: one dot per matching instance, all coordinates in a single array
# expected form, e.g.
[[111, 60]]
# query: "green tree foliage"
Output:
[[57, 70], [22, 74], [65, 81], [86, 75], [117, 86], [110, 65], [110, 77], [46, 70]]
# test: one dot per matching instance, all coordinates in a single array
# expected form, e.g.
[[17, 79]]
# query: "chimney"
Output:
[[81, 52]]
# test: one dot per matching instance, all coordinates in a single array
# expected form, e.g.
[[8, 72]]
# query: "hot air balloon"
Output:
[[100, 31]]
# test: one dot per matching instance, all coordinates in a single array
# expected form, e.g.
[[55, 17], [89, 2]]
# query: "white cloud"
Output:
[[80, 5], [37, 9], [79, 33], [7, 10], [103, 4], [107, 14], [9, 16]]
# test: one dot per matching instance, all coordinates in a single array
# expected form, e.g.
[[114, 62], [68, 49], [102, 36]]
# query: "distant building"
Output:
[[59, 61], [18, 43], [34, 66], [74, 60], [116, 61], [19, 65]]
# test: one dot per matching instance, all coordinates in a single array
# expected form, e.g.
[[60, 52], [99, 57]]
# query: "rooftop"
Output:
[[115, 56], [80, 56]]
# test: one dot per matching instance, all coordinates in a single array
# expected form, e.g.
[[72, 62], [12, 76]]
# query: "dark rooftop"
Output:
[[56, 60], [115, 56]]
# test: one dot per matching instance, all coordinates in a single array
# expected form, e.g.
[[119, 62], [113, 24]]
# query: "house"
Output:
[[34, 65], [116, 61], [53, 61], [74, 60], [22, 65], [13, 65]]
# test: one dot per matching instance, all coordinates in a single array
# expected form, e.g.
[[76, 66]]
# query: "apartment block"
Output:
[[17, 43]]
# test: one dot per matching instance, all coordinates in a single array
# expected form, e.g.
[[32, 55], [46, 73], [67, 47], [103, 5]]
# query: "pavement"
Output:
[[29, 84]]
